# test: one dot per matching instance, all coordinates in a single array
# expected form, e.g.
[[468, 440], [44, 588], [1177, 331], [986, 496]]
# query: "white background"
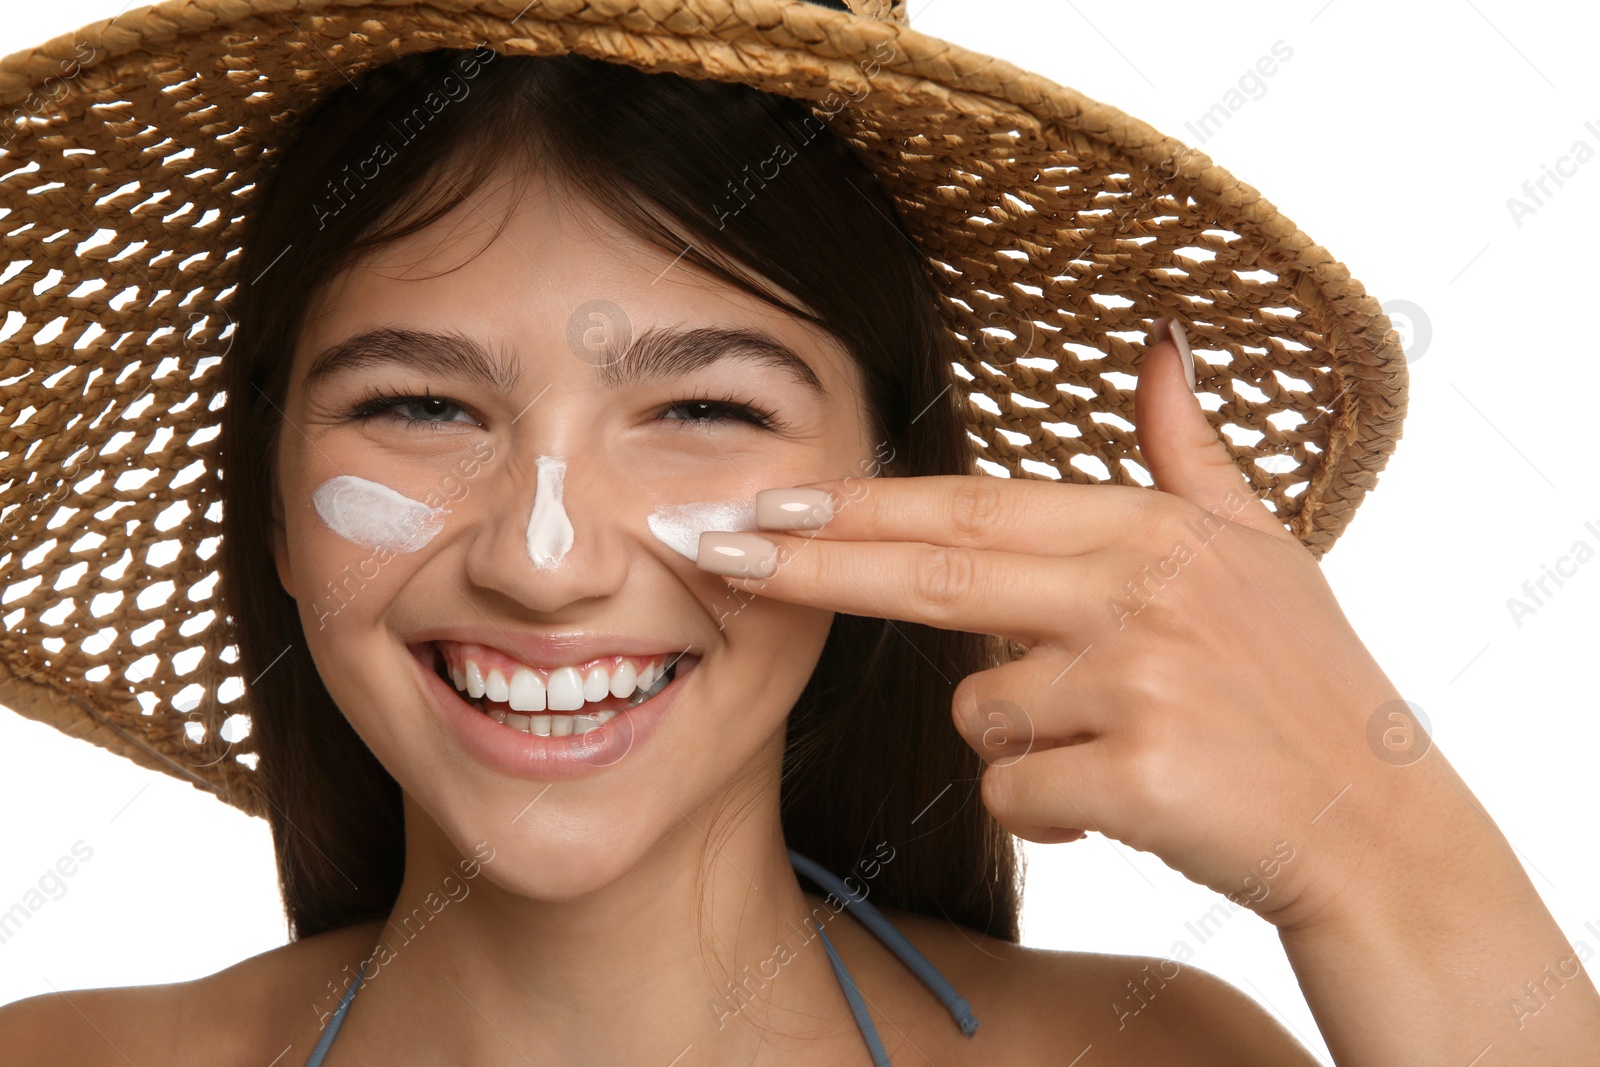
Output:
[[1394, 136]]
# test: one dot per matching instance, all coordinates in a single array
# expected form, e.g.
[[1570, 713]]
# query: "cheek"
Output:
[[374, 516], [679, 526], [720, 493], [342, 586], [352, 544], [767, 648], [373, 697]]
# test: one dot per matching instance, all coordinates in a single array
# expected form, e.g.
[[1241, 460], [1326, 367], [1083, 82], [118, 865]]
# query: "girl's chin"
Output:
[[553, 866]]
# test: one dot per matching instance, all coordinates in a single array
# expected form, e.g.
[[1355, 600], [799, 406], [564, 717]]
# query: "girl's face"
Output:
[[507, 517]]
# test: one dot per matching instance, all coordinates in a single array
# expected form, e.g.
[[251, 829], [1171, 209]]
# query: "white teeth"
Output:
[[623, 680], [527, 690], [554, 725], [645, 693], [566, 690], [596, 684]]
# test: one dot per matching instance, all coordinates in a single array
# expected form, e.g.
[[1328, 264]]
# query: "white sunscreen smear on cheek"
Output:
[[375, 516], [549, 529], [679, 526]]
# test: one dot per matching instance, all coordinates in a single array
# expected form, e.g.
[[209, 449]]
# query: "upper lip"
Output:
[[551, 650]]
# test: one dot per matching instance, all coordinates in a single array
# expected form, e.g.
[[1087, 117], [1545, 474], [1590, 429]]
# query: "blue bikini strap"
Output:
[[858, 1006], [332, 1029], [874, 920]]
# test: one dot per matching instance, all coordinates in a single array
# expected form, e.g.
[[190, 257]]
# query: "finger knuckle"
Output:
[[976, 510], [966, 708], [994, 727], [1161, 517], [997, 788], [1149, 777], [1151, 686], [942, 579]]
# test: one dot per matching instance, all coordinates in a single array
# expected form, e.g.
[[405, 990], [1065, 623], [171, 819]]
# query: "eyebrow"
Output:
[[658, 352], [661, 352], [453, 354]]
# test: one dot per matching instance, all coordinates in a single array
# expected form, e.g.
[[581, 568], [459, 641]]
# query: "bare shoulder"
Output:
[[1054, 1005], [224, 1018]]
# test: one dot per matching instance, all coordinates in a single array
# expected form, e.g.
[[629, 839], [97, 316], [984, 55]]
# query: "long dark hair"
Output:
[[871, 755]]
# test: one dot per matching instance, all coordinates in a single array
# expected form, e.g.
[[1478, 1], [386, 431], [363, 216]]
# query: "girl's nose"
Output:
[[554, 535], [550, 531]]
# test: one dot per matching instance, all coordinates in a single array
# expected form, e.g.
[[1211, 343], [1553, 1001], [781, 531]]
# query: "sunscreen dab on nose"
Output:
[[679, 526], [375, 516], [549, 529]]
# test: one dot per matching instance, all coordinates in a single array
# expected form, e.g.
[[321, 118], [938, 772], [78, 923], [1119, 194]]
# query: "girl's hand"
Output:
[[1191, 686]]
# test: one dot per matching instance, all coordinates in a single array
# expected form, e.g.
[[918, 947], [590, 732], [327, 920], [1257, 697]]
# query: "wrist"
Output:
[[1409, 850]]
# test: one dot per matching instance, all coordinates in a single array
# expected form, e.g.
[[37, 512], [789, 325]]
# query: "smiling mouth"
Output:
[[586, 701]]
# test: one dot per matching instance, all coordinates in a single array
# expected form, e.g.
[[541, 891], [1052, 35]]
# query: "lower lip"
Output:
[[530, 756]]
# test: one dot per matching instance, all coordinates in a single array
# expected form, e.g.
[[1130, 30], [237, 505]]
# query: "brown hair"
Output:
[[871, 750]]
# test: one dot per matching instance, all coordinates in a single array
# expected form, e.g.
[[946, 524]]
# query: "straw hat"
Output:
[[1057, 227]]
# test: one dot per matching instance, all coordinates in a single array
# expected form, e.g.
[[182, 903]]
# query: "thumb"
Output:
[[1186, 457]]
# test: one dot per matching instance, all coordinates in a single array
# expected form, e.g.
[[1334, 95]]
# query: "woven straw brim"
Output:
[[1059, 228]]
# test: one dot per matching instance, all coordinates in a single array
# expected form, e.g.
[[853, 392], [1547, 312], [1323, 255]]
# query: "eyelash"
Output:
[[378, 401], [745, 411]]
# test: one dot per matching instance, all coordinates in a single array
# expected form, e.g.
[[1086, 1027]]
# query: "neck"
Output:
[[707, 942]]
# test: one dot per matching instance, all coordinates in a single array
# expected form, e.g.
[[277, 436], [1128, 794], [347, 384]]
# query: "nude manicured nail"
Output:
[[793, 509], [1167, 326], [738, 555]]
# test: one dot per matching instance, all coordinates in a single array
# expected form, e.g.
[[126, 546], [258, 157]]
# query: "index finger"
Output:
[[982, 511]]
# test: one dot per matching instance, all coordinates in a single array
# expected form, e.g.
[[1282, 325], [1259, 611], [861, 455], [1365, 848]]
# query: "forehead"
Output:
[[525, 262]]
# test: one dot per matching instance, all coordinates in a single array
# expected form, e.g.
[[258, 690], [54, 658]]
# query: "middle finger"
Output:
[[1023, 597]]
